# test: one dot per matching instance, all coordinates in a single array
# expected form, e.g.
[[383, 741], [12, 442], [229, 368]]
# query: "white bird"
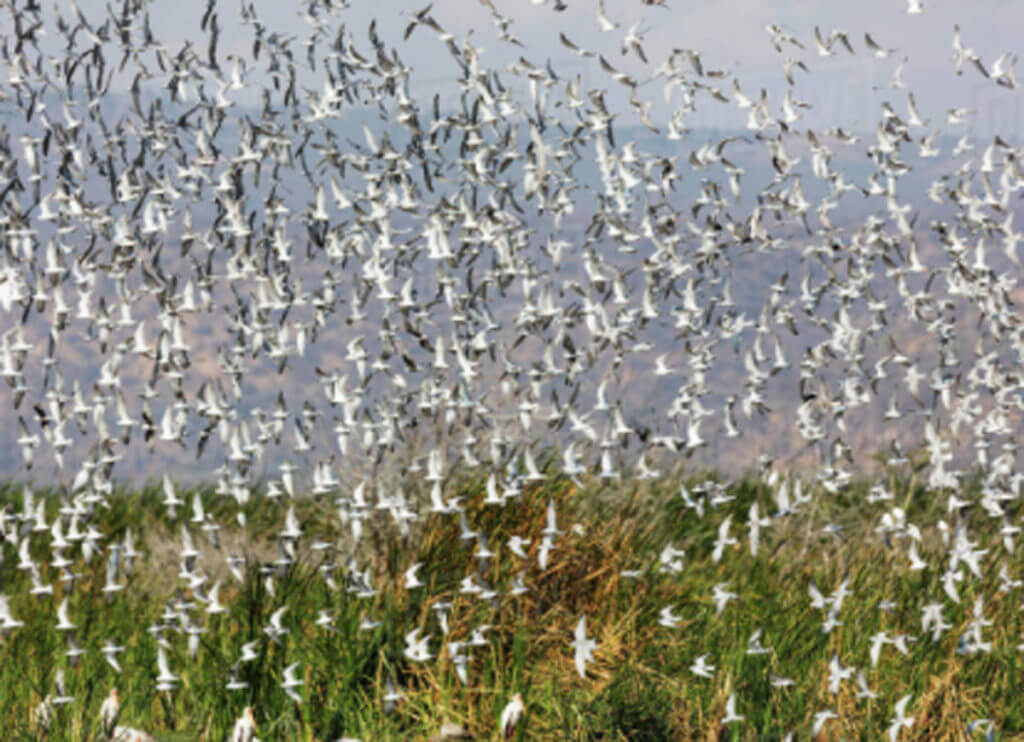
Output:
[[111, 585], [667, 618], [896, 81], [63, 622], [777, 681], [863, 691], [1003, 70], [818, 600], [986, 725], [511, 715], [42, 714], [754, 524], [477, 638], [721, 596], [165, 679], [292, 529], [730, 711], [416, 648], [392, 695], [916, 562], [820, 718], [110, 652], [754, 645], [460, 661], [245, 727], [583, 648], [62, 698], [551, 525], [837, 673], [878, 641], [701, 668], [517, 545], [275, 629], [723, 540], [108, 712], [171, 500], [234, 683], [571, 466], [696, 505], [291, 682], [602, 20], [198, 514], [214, 606], [411, 580], [875, 48], [249, 652], [900, 720]]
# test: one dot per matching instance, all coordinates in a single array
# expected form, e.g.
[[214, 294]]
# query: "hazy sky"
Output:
[[844, 89], [730, 34]]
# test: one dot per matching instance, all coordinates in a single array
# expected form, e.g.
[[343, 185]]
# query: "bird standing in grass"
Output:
[[511, 715], [110, 730], [42, 715], [108, 712], [245, 727]]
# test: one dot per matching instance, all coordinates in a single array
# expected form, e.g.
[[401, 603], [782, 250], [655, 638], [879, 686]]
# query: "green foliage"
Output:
[[633, 707], [638, 688]]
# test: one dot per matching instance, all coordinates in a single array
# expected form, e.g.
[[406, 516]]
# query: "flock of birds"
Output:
[[477, 285]]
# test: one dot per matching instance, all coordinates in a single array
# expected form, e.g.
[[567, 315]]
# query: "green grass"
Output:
[[638, 688]]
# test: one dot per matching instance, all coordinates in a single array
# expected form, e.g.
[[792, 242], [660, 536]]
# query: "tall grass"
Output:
[[638, 688]]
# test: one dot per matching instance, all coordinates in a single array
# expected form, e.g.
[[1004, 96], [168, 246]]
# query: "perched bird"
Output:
[[245, 727], [109, 711], [511, 715]]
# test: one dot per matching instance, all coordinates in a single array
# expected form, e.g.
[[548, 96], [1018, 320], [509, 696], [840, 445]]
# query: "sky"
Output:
[[844, 89], [729, 34]]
